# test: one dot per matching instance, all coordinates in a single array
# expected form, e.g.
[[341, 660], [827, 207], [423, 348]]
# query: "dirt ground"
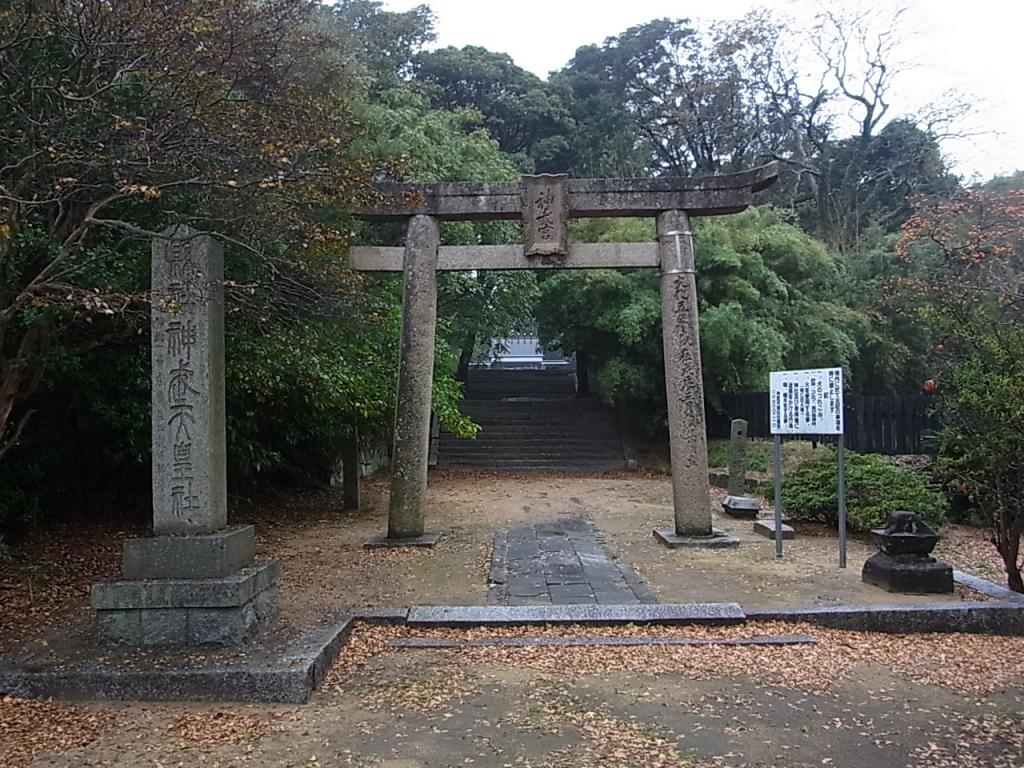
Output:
[[325, 567], [850, 699]]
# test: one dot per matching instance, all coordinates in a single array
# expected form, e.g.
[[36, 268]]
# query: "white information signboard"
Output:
[[807, 402]]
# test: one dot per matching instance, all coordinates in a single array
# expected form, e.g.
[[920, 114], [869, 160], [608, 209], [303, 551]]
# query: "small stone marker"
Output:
[[737, 457], [196, 581], [766, 528], [741, 506]]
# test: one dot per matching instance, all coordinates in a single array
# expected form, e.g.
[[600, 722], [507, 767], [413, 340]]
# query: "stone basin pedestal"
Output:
[[904, 563]]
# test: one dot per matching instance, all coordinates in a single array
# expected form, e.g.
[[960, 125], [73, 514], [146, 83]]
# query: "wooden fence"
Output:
[[873, 424]]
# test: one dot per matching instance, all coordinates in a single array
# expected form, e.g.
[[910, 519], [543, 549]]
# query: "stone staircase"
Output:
[[531, 419]]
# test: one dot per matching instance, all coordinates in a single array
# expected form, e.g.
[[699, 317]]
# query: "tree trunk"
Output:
[[465, 358], [582, 373]]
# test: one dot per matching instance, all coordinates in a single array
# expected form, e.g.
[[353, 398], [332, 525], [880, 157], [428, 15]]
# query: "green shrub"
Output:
[[874, 488]]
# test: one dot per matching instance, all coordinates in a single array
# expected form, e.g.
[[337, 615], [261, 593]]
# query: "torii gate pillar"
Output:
[[684, 388]]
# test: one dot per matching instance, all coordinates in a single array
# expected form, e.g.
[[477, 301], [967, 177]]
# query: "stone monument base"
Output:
[[187, 590], [912, 574], [717, 540], [424, 540]]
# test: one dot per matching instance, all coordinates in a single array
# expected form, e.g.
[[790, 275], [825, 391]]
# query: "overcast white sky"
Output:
[[974, 46]]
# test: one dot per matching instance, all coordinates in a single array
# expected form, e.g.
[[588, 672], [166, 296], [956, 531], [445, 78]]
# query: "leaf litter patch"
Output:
[[969, 663], [29, 728]]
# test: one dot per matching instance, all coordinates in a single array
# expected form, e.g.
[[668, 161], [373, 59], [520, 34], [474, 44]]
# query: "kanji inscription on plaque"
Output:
[[546, 215]]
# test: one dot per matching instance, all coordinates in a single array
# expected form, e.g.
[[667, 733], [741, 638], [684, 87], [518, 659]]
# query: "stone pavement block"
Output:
[[615, 597], [767, 528], [473, 615], [570, 564]]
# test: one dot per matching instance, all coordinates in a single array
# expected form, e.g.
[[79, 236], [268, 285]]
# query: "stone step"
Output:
[[530, 454], [552, 465], [521, 442], [497, 615], [540, 429]]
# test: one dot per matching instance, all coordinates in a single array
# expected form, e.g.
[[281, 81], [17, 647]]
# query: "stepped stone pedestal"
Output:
[[196, 581]]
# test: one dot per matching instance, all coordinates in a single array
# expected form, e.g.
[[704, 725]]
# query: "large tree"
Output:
[[526, 115], [970, 288], [120, 118]]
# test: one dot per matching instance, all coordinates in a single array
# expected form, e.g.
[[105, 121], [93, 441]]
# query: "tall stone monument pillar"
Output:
[[196, 580], [187, 353], [410, 457], [684, 388]]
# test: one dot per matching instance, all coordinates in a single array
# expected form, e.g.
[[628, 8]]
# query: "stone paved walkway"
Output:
[[561, 562]]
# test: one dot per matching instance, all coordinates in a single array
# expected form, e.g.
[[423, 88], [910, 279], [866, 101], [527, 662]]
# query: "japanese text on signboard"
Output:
[[808, 402]]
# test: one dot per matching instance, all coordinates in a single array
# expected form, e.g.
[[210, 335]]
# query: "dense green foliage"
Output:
[[874, 488], [769, 298], [295, 107]]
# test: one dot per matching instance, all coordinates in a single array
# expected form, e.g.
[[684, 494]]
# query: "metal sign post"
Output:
[[777, 452], [841, 451], [808, 402]]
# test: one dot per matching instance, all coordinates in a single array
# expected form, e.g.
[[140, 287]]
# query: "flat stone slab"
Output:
[[426, 540], [592, 641], [561, 562], [767, 528], [741, 506], [228, 592], [511, 615], [717, 540], [206, 556], [280, 665]]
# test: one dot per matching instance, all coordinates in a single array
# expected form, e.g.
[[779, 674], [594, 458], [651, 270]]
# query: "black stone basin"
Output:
[[905, 534]]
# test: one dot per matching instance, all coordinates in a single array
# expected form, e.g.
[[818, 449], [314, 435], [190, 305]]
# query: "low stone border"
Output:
[[289, 669], [287, 673], [592, 641], [970, 617], [986, 587]]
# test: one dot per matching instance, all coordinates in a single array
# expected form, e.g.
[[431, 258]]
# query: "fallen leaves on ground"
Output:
[[962, 662], [46, 583], [211, 728], [987, 741], [423, 695], [28, 728], [606, 740]]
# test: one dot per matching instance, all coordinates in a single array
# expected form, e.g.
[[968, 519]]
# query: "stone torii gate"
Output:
[[546, 203]]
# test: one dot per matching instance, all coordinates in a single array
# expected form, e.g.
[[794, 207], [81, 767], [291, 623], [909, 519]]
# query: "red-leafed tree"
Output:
[[973, 292]]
